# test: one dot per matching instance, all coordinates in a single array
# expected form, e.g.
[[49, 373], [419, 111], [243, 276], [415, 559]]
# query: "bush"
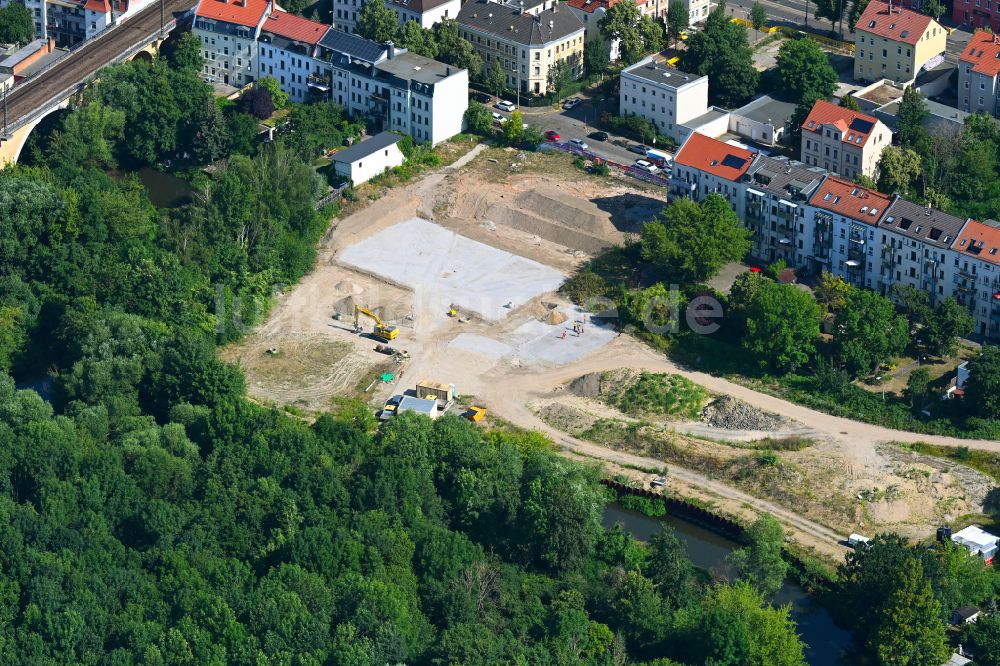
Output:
[[257, 102], [584, 286], [665, 395], [641, 130], [644, 505]]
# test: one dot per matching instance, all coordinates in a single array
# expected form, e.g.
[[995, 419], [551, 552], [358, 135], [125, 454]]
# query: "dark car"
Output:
[[638, 149], [482, 98], [598, 136]]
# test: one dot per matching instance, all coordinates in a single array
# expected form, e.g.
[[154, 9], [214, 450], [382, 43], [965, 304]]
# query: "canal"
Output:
[[826, 643], [164, 190]]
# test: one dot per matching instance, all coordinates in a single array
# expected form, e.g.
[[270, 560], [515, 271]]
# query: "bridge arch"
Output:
[[10, 148], [144, 56]]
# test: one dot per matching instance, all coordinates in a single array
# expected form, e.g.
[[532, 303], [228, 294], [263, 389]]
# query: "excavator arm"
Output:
[[381, 329]]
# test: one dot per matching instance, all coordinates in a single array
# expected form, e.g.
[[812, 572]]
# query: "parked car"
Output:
[[638, 149], [648, 167], [571, 103], [579, 143], [598, 136], [497, 117], [482, 98], [552, 135], [504, 105]]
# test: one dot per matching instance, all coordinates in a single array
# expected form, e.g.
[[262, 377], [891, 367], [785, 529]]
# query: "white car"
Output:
[[504, 105], [571, 103], [498, 118], [648, 167], [579, 143]]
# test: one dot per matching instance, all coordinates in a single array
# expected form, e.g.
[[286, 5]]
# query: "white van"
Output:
[[856, 540]]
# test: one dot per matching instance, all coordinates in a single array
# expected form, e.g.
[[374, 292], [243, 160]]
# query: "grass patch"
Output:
[[790, 443], [654, 508], [659, 394], [986, 462]]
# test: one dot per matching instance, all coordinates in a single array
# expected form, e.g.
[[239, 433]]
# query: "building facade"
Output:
[[976, 14], [228, 30], [843, 141], [666, 97], [425, 12], [914, 249], [776, 194], [978, 67], [704, 165], [286, 50], [894, 43], [975, 262], [528, 38], [369, 158]]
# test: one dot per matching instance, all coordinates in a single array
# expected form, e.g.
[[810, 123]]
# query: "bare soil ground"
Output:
[[541, 207]]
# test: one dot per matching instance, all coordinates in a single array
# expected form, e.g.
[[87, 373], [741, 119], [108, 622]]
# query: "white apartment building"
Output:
[[915, 247], [776, 193], [975, 259], [978, 67], [845, 142], [228, 30], [69, 22], [527, 38], [286, 48], [666, 97], [405, 91], [425, 12], [704, 165]]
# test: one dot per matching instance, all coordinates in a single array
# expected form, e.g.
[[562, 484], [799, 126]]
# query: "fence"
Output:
[[333, 196], [682, 509]]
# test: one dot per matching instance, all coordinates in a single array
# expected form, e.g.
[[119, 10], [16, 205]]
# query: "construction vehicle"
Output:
[[475, 414], [381, 331]]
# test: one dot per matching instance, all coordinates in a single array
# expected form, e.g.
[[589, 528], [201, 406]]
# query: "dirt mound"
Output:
[[530, 223], [345, 305], [346, 287], [730, 413], [587, 386], [555, 317], [564, 210]]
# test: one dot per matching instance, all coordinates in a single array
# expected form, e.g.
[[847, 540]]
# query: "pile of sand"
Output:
[[555, 317], [587, 386]]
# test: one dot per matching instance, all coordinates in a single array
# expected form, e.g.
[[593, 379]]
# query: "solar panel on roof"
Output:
[[733, 161], [862, 125]]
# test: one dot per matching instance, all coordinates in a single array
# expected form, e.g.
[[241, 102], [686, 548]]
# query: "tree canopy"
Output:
[[722, 52], [805, 71], [17, 25], [691, 242]]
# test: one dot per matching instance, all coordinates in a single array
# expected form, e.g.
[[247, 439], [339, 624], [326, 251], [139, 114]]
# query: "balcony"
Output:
[[967, 272], [318, 83]]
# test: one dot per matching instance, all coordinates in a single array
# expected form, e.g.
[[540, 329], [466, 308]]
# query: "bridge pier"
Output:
[[11, 146]]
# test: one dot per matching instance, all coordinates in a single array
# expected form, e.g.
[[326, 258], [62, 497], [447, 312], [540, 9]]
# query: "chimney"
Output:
[[390, 50]]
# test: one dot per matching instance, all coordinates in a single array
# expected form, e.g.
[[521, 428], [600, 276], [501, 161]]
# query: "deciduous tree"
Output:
[[678, 19], [868, 332], [760, 563], [946, 323], [805, 70], [782, 326], [377, 22], [910, 117], [982, 390], [911, 631], [17, 25]]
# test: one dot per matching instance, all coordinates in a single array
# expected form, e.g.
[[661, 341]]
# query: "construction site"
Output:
[[452, 280]]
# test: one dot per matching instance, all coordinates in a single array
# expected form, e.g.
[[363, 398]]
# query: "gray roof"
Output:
[[528, 29], [418, 6], [767, 109], [924, 224], [783, 177], [365, 148], [660, 74], [409, 66], [352, 45], [712, 114], [419, 405], [940, 117]]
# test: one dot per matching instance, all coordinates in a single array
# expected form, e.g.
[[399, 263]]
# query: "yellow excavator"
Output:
[[382, 331]]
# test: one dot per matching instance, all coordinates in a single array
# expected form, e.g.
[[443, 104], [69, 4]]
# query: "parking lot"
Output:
[[577, 123]]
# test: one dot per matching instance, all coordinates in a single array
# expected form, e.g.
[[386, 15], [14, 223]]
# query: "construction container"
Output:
[[443, 393]]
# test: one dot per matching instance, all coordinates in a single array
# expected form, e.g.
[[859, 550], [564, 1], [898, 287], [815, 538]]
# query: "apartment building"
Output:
[[425, 12], [228, 30], [894, 43], [286, 48], [976, 270], [664, 96], [400, 90], [845, 222], [845, 142], [978, 67], [915, 247], [776, 194], [527, 38], [70, 22], [590, 13], [704, 165]]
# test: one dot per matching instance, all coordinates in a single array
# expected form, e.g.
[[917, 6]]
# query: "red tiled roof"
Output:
[[983, 53], [901, 25], [714, 157], [294, 27], [102, 6], [853, 125], [845, 198], [979, 240], [237, 12], [591, 6]]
